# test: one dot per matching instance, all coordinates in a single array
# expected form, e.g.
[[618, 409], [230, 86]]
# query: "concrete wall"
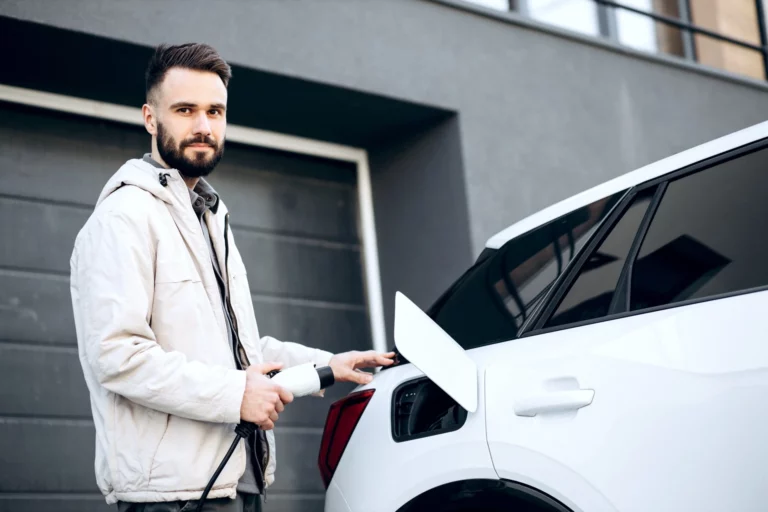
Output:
[[421, 213], [541, 116]]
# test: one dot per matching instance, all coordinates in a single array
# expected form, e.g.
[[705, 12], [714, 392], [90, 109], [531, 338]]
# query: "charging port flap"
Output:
[[429, 348]]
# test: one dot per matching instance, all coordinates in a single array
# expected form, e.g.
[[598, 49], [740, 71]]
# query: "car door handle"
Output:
[[555, 401]]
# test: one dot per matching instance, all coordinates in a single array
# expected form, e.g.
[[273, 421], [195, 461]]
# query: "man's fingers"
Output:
[[285, 396], [359, 377], [385, 359], [372, 358], [267, 425], [273, 416], [279, 407]]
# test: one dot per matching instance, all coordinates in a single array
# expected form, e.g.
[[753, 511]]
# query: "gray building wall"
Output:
[[541, 116]]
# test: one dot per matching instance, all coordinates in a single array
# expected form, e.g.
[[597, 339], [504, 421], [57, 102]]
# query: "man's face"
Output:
[[190, 116]]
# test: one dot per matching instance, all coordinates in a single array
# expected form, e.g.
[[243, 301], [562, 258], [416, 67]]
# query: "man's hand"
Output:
[[346, 366], [263, 400]]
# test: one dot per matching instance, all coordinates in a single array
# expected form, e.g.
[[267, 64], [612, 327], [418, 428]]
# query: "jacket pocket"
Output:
[[157, 448], [138, 434], [176, 271]]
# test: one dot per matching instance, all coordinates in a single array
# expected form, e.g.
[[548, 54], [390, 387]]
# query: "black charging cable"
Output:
[[245, 429]]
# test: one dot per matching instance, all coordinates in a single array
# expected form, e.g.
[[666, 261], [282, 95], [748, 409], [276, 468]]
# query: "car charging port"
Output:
[[421, 409]]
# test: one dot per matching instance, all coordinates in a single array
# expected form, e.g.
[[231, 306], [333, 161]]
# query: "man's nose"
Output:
[[202, 125]]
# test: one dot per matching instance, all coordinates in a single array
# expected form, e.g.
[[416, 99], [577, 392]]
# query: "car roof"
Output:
[[630, 179]]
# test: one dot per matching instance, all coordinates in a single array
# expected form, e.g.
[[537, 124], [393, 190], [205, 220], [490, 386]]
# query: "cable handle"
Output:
[[300, 380]]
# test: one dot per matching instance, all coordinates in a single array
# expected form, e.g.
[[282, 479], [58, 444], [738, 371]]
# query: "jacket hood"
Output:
[[144, 175]]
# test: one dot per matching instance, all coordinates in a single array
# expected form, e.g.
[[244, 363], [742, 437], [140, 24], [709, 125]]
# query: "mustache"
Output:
[[200, 139]]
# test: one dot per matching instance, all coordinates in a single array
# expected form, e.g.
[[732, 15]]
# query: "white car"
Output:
[[609, 353]]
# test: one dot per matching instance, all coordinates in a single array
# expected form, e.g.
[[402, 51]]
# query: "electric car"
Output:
[[608, 353]]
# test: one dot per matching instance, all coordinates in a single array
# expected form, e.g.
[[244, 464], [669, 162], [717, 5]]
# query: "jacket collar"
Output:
[[203, 190], [161, 183]]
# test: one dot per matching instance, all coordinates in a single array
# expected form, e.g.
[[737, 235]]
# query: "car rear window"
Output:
[[492, 300]]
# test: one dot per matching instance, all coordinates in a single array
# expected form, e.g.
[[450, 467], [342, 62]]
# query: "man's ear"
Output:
[[150, 119]]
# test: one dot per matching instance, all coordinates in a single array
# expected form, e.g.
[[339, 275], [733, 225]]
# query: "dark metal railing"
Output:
[[607, 25], [686, 27]]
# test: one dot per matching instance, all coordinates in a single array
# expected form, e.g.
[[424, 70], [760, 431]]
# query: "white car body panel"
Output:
[[680, 399], [334, 499], [649, 172], [376, 474]]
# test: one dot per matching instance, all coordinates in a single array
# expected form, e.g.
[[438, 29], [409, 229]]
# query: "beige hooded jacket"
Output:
[[152, 338]]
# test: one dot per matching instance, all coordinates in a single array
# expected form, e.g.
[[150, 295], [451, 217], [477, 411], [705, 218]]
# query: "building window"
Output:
[[726, 34], [579, 15]]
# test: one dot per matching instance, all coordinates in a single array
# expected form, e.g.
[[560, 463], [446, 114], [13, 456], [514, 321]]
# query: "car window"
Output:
[[490, 302], [707, 237], [592, 292]]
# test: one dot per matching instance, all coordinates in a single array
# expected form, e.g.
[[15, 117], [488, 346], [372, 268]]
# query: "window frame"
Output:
[[623, 288], [599, 237], [574, 265], [570, 275], [488, 253], [621, 297]]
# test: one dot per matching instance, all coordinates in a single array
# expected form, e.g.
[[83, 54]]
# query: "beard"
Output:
[[199, 165]]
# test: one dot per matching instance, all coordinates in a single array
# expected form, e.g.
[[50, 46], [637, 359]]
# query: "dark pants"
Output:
[[243, 503]]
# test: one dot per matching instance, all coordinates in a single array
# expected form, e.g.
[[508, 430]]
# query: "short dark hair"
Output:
[[196, 56]]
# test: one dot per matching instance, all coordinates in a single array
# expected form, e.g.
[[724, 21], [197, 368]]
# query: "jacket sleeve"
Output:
[[292, 354], [113, 280]]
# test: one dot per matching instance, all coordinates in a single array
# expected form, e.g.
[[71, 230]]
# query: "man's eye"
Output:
[[214, 112], [183, 110]]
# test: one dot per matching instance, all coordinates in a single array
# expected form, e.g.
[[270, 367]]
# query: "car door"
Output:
[[644, 384]]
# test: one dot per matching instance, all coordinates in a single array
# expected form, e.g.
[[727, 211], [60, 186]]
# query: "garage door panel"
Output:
[[291, 206], [36, 307], [46, 456], [295, 268], [297, 451], [40, 158], [55, 503], [295, 222], [332, 329], [33, 454], [52, 380], [38, 236], [54, 387], [244, 158]]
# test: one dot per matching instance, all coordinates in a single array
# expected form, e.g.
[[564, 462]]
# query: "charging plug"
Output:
[[303, 379]]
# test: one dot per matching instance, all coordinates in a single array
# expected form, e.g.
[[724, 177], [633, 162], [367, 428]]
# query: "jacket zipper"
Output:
[[240, 348]]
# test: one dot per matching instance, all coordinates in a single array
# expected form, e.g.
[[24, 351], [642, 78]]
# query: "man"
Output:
[[166, 332]]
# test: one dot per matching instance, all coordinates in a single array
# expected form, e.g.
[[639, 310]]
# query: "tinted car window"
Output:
[[707, 237], [490, 302], [591, 293]]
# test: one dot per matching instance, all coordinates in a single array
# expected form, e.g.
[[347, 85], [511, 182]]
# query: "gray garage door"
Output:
[[295, 221]]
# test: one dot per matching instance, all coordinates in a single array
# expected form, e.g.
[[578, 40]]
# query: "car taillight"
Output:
[[339, 425]]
